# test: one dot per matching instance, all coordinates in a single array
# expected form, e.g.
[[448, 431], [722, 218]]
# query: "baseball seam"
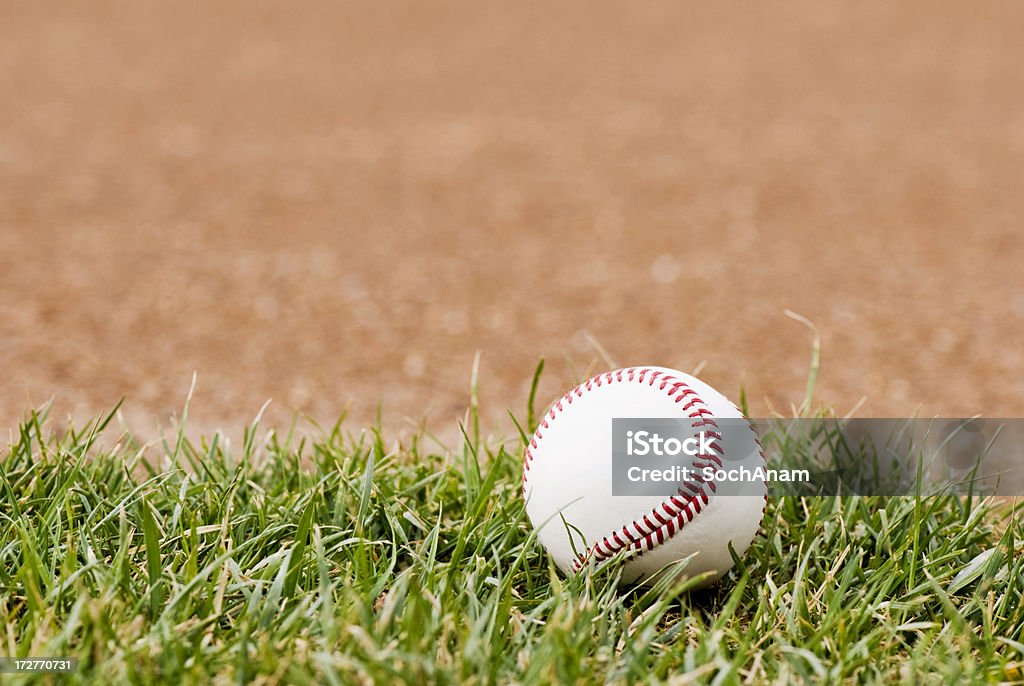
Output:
[[667, 519]]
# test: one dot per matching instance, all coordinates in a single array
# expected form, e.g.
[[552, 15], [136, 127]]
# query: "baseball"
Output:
[[568, 475]]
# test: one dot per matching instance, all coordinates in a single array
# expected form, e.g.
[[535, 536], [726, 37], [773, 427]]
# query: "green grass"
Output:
[[347, 559]]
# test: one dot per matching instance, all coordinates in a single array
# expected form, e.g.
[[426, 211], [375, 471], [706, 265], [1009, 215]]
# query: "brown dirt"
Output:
[[332, 202]]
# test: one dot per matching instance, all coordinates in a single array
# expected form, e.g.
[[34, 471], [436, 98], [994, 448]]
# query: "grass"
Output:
[[345, 559]]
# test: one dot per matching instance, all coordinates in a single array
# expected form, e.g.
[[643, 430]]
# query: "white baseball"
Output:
[[567, 473]]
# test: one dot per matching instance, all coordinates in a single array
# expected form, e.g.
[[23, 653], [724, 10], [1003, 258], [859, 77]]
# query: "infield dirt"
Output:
[[330, 202]]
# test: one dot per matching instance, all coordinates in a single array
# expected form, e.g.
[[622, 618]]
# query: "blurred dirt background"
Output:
[[331, 203]]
